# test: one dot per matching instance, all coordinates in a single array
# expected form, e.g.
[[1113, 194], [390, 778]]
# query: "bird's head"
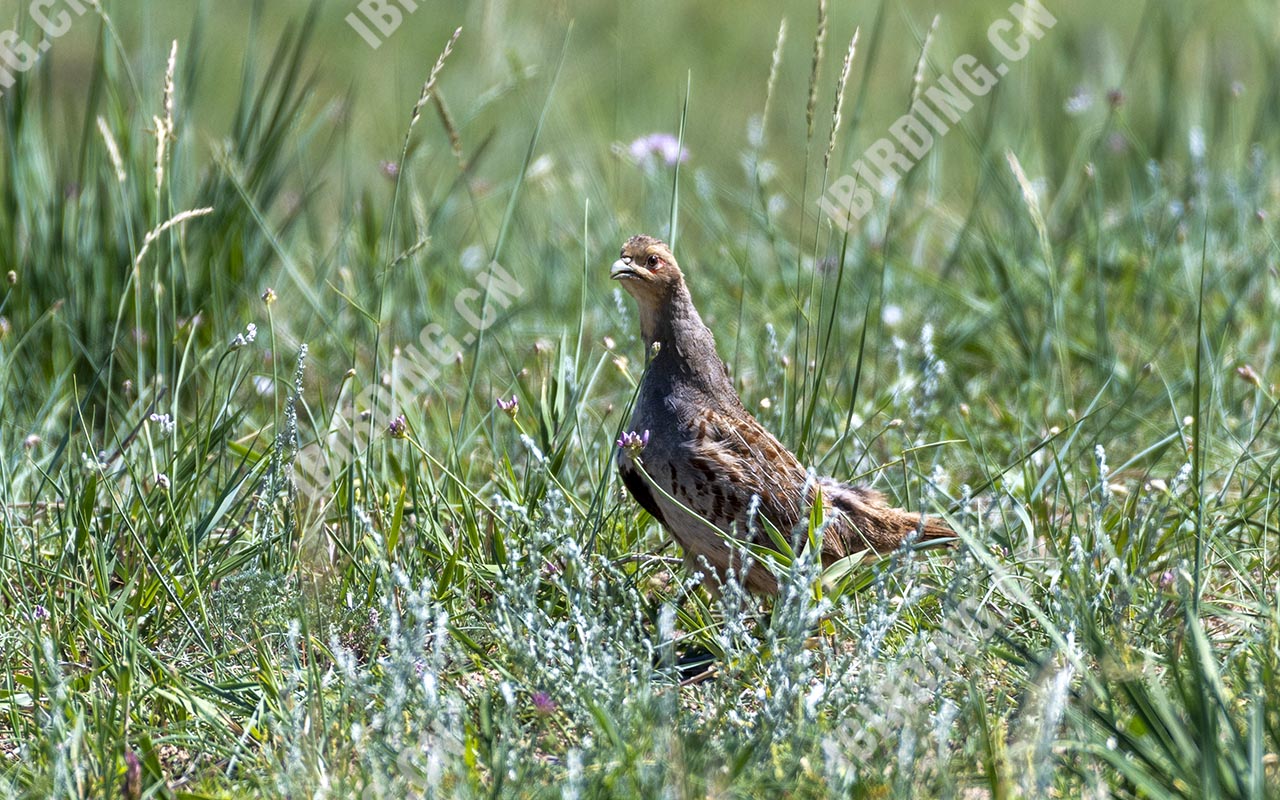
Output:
[[647, 270]]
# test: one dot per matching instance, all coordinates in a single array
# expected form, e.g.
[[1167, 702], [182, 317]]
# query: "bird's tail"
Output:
[[934, 528], [873, 524]]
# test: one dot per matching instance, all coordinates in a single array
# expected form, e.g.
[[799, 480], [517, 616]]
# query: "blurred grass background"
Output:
[[1179, 66]]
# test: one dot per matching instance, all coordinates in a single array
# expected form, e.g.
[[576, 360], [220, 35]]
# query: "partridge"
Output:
[[704, 467]]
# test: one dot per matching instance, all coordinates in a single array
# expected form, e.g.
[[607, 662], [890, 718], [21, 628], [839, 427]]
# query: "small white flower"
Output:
[[165, 423], [473, 258], [541, 168], [1195, 143], [1080, 101], [814, 697], [755, 131], [246, 338]]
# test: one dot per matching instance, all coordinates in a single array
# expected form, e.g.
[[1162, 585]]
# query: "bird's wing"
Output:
[[742, 461], [756, 464]]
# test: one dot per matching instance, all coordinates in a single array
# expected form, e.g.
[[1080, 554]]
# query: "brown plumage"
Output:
[[708, 467]]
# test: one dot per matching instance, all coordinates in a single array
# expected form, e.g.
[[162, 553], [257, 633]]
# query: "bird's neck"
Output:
[[684, 343], [672, 323]]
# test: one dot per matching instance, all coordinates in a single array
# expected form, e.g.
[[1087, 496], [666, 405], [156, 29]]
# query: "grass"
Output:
[[222, 579]]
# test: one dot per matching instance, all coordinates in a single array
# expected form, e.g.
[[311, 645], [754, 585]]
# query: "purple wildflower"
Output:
[[543, 704], [634, 442], [662, 146], [509, 406], [1249, 375], [399, 428]]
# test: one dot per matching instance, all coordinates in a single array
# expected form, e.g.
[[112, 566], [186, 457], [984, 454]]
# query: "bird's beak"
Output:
[[622, 269]]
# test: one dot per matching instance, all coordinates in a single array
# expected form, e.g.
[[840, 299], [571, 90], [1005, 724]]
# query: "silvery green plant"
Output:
[[390, 711]]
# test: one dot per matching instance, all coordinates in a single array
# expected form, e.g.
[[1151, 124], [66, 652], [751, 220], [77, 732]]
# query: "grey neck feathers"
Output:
[[686, 345]]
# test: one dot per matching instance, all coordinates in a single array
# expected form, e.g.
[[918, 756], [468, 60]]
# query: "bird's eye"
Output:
[[652, 262]]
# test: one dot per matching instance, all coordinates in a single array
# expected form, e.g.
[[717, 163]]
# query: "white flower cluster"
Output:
[[165, 423], [247, 338], [94, 462]]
